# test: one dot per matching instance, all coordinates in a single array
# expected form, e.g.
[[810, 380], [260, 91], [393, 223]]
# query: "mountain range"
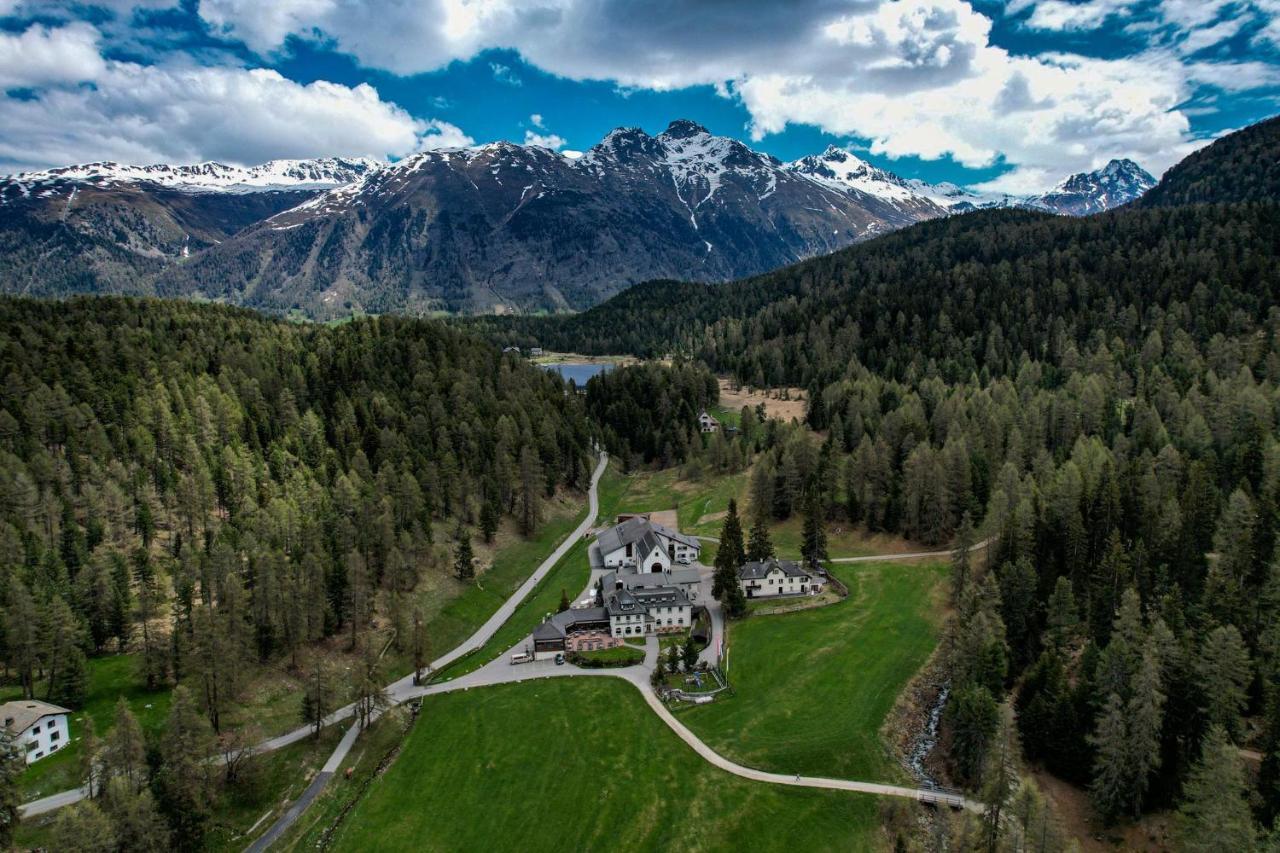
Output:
[[500, 228]]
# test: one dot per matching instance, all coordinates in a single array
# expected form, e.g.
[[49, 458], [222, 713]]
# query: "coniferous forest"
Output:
[[1096, 397]]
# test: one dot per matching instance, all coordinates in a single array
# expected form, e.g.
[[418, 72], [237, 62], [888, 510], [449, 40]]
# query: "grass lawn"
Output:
[[370, 750], [621, 655], [812, 688], [511, 566], [570, 575], [109, 678], [581, 764]]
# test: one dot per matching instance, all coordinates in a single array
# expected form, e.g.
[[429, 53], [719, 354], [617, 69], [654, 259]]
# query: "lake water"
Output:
[[579, 372]]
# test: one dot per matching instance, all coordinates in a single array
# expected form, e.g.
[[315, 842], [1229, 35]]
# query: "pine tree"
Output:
[[730, 556], [12, 765], [419, 646], [1145, 720], [760, 545], [1063, 615], [1110, 789], [973, 717], [185, 777], [1223, 672], [319, 694], [1215, 816], [689, 653], [138, 825], [961, 558], [464, 568], [813, 545], [124, 754]]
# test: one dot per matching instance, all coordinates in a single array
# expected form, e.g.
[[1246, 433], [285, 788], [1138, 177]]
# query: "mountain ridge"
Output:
[[496, 228]]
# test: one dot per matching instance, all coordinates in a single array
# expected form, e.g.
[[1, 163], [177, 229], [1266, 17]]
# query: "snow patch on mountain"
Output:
[[320, 173]]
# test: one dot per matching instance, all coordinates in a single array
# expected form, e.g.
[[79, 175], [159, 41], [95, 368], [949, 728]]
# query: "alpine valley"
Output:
[[499, 228]]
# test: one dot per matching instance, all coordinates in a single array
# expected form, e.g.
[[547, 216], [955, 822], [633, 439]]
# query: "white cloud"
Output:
[[182, 113], [536, 120], [40, 56], [918, 77], [554, 141]]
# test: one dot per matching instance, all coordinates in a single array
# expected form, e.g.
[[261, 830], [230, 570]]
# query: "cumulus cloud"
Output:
[[108, 109], [917, 77], [42, 55]]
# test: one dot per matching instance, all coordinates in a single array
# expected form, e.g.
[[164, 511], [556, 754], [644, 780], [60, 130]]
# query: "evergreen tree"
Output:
[[139, 828], [973, 718], [1223, 674], [1063, 616], [961, 559], [564, 601], [759, 545], [419, 645], [124, 753], [1214, 816], [12, 765], [813, 545], [83, 828], [1111, 789], [319, 694], [730, 556], [689, 653], [464, 561], [185, 777]]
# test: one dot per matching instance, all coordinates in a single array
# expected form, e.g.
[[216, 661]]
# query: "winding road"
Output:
[[501, 671]]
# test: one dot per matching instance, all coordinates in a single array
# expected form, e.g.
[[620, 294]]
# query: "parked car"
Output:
[[559, 658], [521, 657]]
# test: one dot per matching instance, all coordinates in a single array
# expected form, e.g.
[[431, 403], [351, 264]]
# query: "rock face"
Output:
[[498, 228]]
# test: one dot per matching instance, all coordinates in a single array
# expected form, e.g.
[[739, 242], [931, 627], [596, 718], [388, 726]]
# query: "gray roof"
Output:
[[640, 530], [663, 595], [548, 630], [566, 620], [26, 712], [648, 580], [758, 570], [622, 603], [618, 536]]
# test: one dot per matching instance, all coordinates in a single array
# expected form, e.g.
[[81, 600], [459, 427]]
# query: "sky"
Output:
[[1008, 96]]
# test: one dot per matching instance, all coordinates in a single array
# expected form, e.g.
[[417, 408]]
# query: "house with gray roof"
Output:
[[707, 423], [38, 728], [773, 577], [645, 546]]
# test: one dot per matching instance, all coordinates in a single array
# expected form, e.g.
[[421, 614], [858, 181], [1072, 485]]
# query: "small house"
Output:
[[707, 423], [38, 728]]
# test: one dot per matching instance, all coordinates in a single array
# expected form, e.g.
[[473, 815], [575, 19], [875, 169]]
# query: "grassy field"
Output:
[[581, 765], [619, 655], [812, 688], [570, 575], [109, 678]]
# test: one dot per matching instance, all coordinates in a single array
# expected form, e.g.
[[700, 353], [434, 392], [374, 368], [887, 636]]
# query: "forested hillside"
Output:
[[1098, 395]]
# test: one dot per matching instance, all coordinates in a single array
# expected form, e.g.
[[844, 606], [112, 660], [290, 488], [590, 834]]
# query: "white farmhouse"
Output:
[[707, 423], [38, 728], [775, 577], [644, 546]]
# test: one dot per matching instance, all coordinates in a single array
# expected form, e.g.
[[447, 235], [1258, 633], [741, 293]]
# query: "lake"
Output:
[[578, 371]]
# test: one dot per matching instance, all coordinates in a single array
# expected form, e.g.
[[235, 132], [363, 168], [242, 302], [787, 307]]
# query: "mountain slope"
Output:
[[976, 291], [501, 228], [507, 227], [1240, 167]]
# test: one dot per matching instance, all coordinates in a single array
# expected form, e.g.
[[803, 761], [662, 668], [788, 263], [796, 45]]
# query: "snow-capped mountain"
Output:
[[497, 227], [320, 173], [1115, 184]]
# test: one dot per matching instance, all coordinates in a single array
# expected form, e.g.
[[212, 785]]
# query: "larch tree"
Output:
[[1215, 816]]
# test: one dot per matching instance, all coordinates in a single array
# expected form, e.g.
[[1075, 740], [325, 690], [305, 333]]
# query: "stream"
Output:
[[927, 739]]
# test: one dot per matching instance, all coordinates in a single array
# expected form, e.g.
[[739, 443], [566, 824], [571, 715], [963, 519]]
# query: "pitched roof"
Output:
[[548, 631], [25, 712], [640, 530], [758, 570]]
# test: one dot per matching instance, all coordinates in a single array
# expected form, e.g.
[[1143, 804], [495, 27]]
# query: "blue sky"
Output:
[[1004, 95]]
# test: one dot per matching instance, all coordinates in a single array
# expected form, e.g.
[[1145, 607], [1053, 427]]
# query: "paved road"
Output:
[[404, 689], [501, 671]]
